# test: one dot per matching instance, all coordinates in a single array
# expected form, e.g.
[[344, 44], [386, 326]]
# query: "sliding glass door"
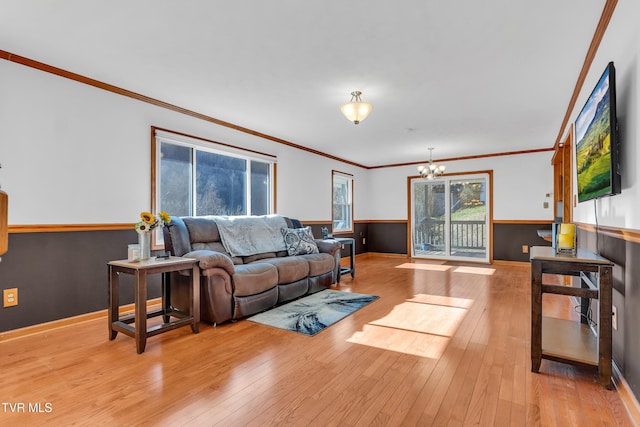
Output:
[[450, 217]]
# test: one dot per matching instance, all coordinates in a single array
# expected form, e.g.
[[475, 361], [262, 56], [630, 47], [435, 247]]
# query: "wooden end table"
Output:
[[351, 242], [140, 270]]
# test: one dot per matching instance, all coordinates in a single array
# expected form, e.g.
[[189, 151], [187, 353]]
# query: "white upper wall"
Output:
[[75, 154], [520, 187], [305, 183], [621, 44]]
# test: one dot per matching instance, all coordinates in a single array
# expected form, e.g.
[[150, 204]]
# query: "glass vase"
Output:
[[144, 239]]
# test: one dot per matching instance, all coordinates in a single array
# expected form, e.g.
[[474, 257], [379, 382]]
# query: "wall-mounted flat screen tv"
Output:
[[597, 145]]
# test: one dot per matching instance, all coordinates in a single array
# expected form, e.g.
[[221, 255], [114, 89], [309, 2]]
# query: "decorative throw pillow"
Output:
[[299, 241]]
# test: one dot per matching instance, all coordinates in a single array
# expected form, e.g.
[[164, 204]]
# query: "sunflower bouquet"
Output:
[[149, 221]]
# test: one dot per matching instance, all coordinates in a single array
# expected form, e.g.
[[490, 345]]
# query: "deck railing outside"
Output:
[[464, 234]]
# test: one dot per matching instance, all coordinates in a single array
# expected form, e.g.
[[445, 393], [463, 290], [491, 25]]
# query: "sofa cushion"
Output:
[[290, 269], [251, 258], [202, 229], [299, 241], [319, 263], [210, 259], [251, 279]]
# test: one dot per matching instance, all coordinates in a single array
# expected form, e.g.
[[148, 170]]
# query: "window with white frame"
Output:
[[342, 209], [199, 177]]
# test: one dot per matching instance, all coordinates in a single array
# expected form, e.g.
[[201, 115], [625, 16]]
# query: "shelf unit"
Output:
[[567, 340]]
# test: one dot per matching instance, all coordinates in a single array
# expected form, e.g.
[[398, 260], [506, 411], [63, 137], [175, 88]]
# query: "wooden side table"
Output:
[[140, 270], [352, 256], [566, 340]]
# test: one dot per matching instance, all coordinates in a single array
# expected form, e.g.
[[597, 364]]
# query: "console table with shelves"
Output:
[[571, 341]]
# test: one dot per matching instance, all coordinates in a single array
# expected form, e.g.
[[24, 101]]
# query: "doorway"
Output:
[[450, 217]]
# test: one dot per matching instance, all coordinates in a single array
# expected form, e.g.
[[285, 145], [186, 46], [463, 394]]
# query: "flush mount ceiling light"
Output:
[[431, 170], [355, 110]]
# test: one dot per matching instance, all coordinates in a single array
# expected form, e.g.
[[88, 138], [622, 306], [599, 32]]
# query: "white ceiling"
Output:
[[466, 77]]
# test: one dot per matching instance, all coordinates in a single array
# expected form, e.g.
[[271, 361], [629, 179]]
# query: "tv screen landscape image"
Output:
[[597, 141]]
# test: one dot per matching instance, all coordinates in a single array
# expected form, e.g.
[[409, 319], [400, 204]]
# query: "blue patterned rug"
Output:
[[313, 313]]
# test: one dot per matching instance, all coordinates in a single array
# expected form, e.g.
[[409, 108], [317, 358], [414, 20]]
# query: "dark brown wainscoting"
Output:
[[371, 236], [508, 239], [63, 274], [391, 237], [624, 254], [388, 237], [360, 234]]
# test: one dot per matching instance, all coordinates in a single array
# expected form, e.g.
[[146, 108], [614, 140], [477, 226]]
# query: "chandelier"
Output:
[[356, 110], [431, 170]]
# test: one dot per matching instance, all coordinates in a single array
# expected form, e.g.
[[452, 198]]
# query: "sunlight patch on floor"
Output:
[[432, 267], [442, 267], [407, 342], [421, 326], [475, 270], [425, 318]]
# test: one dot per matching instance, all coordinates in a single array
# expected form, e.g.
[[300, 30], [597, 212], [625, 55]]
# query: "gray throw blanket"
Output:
[[250, 235]]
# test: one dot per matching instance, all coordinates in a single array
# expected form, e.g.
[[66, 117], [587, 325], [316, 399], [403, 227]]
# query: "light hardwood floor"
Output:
[[445, 344]]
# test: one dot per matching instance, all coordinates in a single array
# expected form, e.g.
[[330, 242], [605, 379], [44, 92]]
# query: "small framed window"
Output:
[[342, 197]]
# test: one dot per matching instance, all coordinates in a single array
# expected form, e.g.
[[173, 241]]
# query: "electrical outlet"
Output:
[[614, 318], [525, 249], [545, 205], [10, 297], [364, 241]]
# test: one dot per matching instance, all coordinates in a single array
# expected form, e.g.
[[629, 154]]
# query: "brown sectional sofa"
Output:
[[233, 287]]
